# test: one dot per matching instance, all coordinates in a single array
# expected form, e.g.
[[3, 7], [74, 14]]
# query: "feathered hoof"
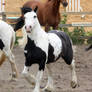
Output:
[[13, 79], [33, 83], [48, 89], [15, 75], [73, 84]]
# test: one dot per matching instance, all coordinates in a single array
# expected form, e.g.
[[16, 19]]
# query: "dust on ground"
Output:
[[61, 73]]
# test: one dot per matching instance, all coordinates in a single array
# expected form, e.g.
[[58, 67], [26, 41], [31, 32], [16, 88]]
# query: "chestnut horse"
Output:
[[48, 13]]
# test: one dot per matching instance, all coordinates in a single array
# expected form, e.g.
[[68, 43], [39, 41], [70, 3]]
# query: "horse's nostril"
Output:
[[30, 26], [25, 27]]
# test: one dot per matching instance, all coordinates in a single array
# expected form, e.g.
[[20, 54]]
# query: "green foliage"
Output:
[[89, 41], [16, 41], [77, 35], [64, 19]]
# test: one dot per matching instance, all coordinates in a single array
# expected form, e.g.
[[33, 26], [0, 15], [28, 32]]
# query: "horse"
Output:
[[44, 48], [48, 13], [7, 39]]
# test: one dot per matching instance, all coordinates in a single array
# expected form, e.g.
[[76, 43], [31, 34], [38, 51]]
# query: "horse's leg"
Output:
[[11, 58], [38, 81], [74, 76], [47, 27], [2, 57], [55, 27], [50, 84], [39, 76], [28, 77]]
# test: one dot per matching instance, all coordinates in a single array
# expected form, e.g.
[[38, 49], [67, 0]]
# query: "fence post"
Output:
[[73, 6], [0, 6], [3, 16], [2, 10]]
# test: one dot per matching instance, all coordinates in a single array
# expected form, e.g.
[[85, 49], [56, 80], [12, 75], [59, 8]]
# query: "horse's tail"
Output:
[[22, 42], [2, 57], [12, 38], [90, 47], [19, 24]]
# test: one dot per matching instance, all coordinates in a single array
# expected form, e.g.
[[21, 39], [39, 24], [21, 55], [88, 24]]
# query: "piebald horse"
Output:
[[44, 48], [7, 40]]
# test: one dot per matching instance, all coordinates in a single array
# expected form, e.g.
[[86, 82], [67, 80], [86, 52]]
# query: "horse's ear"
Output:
[[36, 8], [26, 9]]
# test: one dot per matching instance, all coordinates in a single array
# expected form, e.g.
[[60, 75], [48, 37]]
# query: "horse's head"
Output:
[[30, 19], [64, 2]]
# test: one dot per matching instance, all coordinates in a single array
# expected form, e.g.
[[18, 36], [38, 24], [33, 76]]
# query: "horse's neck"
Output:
[[56, 5], [37, 32]]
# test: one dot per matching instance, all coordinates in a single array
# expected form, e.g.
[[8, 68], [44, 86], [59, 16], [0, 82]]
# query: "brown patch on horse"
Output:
[[2, 58], [2, 55], [12, 43]]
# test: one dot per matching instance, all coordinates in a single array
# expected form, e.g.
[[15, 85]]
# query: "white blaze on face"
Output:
[[30, 20]]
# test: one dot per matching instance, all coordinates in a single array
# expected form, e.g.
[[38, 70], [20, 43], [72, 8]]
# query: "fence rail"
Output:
[[77, 13], [84, 24], [77, 24], [10, 13]]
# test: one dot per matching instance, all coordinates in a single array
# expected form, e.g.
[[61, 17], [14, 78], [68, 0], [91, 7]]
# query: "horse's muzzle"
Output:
[[28, 29]]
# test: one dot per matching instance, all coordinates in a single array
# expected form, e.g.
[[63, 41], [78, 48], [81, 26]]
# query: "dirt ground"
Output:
[[61, 73]]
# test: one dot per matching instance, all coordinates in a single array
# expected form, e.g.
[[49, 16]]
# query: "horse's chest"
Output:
[[53, 20], [33, 53]]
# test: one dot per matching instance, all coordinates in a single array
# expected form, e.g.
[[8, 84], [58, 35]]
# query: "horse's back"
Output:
[[67, 51], [6, 33], [6, 29], [4, 25], [32, 4]]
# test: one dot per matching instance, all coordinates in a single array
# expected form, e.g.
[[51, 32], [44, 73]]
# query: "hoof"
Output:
[[33, 83], [15, 75], [48, 89], [73, 84], [13, 79]]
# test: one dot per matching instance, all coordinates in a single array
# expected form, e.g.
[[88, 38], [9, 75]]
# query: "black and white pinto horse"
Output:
[[7, 40], [44, 48]]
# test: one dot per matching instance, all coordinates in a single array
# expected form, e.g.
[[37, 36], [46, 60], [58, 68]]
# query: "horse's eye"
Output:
[[35, 16]]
